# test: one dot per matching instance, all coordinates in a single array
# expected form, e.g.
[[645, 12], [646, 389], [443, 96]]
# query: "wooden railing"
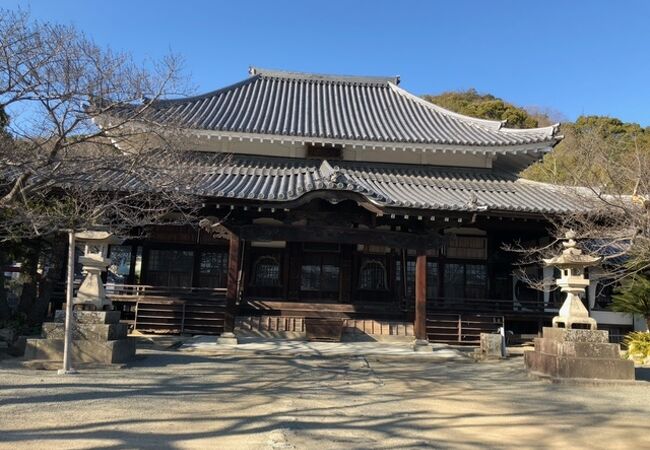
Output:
[[157, 309], [198, 310], [130, 291], [485, 305], [160, 309], [461, 328]]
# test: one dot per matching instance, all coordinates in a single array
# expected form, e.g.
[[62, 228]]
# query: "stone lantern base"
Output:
[[564, 353], [97, 337]]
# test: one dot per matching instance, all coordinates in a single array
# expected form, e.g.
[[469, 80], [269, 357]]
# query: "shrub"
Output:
[[638, 345]]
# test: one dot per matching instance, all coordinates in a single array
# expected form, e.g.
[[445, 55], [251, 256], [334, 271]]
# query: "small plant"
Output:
[[638, 345]]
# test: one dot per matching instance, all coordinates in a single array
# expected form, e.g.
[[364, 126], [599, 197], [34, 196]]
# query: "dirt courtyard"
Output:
[[178, 400]]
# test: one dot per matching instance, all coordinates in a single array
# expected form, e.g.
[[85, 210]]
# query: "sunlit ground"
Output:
[[174, 399]]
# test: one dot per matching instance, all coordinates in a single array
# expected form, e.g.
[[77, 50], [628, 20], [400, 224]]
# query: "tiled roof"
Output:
[[341, 110], [386, 185]]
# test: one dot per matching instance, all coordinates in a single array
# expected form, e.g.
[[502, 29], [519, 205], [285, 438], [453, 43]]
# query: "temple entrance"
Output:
[[320, 272]]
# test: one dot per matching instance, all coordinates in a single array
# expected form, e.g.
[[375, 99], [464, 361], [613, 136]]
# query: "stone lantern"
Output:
[[572, 264], [93, 333], [91, 294], [577, 354]]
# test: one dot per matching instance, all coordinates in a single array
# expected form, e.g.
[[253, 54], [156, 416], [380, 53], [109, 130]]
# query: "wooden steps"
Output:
[[286, 324], [176, 317], [320, 310]]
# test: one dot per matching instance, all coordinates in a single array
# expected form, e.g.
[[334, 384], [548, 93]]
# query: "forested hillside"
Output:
[[558, 166]]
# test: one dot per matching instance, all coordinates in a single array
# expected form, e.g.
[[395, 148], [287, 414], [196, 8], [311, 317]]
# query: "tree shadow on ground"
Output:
[[170, 399]]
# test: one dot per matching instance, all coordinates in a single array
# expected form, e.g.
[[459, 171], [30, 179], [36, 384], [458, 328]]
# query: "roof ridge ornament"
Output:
[[309, 76]]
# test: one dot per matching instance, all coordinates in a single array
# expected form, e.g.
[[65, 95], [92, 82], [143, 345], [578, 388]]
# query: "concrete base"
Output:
[[420, 345], [577, 354], [227, 338], [105, 352], [97, 337]]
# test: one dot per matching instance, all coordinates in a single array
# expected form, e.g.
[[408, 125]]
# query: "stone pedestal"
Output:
[[97, 337], [563, 353], [227, 338], [491, 347], [421, 345]]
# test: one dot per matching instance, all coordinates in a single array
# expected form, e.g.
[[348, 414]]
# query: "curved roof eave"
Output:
[[533, 147], [342, 109], [494, 125]]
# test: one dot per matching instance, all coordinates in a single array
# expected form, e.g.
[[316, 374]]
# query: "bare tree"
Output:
[[78, 150], [608, 179]]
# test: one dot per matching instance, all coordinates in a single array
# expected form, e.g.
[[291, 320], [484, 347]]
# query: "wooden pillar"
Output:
[[421, 296], [232, 287]]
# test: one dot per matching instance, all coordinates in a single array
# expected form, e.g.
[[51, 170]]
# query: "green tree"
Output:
[[626, 141], [485, 106], [633, 297]]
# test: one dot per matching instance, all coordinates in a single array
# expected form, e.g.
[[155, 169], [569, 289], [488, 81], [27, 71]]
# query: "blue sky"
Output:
[[576, 57]]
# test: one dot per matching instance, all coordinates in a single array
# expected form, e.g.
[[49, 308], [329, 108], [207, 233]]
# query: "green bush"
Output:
[[638, 345]]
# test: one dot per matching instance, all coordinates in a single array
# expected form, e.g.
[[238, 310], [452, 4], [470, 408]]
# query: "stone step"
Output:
[[577, 349], [48, 364], [576, 335], [107, 352], [87, 331], [566, 367]]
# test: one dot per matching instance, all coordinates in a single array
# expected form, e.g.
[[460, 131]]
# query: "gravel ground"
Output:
[[176, 399]]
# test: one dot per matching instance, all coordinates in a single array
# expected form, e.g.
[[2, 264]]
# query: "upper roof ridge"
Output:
[[360, 79]]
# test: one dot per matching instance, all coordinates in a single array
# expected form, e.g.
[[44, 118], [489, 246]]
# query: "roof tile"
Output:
[[355, 109]]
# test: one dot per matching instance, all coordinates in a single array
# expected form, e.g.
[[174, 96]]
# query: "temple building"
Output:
[[346, 198]]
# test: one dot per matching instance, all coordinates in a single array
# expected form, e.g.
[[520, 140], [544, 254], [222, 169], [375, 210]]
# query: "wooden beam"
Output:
[[340, 235], [232, 287], [420, 325]]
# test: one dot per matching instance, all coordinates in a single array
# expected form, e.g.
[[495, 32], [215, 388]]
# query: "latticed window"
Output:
[[320, 272], [372, 275], [475, 281], [432, 278], [465, 280], [213, 269], [410, 277], [454, 281], [170, 268], [467, 247], [267, 272]]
